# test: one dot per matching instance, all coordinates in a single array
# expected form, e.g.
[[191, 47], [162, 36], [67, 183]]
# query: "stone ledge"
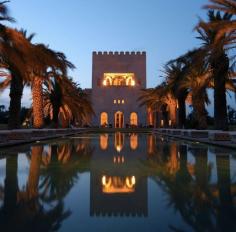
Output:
[[18, 137], [216, 138]]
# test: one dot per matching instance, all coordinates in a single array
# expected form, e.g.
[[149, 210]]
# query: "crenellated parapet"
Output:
[[121, 53]]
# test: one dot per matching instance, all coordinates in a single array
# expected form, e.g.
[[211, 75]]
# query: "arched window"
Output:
[[104, 119], [119, 79], [133, 119]]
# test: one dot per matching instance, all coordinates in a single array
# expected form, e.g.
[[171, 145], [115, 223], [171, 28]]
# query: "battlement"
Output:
[[126, 53]]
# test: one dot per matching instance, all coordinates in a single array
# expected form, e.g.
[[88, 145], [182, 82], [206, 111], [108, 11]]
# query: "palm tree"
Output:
[[65, 99], [44, 64], [228, 7], [174, 72], [215, 56], [13, 52], [196, 81], [158, 99], [48, 63]]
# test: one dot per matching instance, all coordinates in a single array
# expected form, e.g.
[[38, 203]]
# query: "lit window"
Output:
[[103, 119], [114, 101], [133, 119], [119, 79], [104, 82], [123, 101], [118, 101]]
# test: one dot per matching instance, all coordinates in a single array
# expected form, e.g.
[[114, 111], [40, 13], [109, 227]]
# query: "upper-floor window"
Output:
[[118, 79]]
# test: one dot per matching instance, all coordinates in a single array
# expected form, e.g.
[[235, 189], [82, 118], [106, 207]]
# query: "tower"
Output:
[[117, 79]]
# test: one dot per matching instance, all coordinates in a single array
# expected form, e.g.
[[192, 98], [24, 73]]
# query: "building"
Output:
[[117, 79]]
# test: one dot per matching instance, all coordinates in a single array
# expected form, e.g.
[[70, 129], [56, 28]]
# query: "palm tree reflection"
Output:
[[52, 173], [202, 204]]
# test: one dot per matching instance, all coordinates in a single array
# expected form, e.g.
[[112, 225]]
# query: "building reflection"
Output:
[[103, 141], [119, 141], [117, 185], [134, 141]]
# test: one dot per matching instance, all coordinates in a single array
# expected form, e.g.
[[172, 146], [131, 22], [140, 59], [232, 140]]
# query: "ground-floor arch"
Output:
[[119, 119], [133, 119], [103, 119]]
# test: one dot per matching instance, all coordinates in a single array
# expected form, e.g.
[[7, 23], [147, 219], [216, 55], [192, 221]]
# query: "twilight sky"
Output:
[[164, 29]]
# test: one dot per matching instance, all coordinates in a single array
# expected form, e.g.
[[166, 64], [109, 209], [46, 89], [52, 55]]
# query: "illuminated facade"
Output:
[[117, 79]]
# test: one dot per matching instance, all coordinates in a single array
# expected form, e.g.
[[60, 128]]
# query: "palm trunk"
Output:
[[55, 115], [33, 179], [16, 91], [37, 94], [220, 71], [201, 168], [181, 112], [226, 210], [11, 185], [200, 112]]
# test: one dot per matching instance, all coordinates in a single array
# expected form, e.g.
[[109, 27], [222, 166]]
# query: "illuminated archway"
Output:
[[104, 119], [119, 79], [133, 119], [119, 119]]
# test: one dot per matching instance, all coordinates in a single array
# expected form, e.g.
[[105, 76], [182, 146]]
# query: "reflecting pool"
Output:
[[117, 182]]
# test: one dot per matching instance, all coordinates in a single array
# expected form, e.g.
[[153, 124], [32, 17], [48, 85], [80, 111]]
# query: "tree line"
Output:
[[209, 66]]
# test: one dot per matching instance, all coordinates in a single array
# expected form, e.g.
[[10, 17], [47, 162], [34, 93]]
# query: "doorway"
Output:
[[119, 120]]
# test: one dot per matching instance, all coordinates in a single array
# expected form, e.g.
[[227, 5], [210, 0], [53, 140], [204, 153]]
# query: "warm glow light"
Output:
[[104, 141], [133, 180], [119, 79], [119, 141], [118, 101], [116, 184], [118, 148], [134, 141], [162, 123], [118, 159], [123, 101], [103, 119], [114, 101], [104, 82], [170, 122], [133, 119]]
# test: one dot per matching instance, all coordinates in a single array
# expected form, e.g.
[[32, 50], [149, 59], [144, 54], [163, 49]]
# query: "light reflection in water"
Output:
[[134, 141], [196, 182], [119, 141], [116, 184], [103, 141]]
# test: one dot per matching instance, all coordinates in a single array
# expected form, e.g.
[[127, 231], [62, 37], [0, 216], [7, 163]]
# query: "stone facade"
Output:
[[114, 99]]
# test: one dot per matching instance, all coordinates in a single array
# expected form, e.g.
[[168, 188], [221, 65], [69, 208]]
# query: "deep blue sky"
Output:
[[164, 29]]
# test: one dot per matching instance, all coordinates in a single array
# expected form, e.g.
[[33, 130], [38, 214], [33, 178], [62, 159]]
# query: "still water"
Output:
[[117, 182]]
